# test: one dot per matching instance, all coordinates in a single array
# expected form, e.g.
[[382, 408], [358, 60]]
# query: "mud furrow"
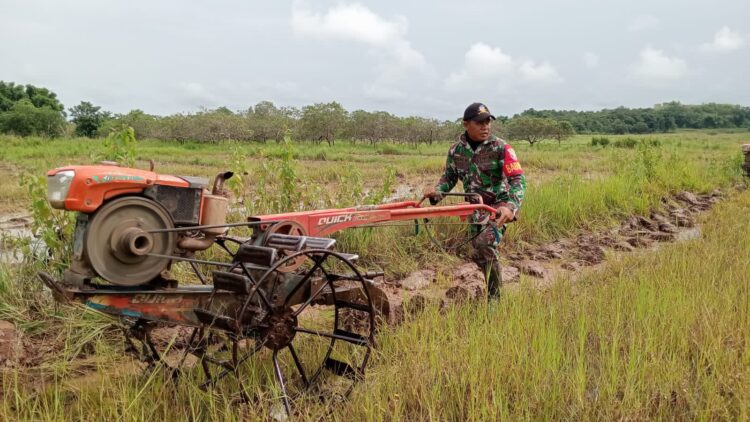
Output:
[[676, 221]]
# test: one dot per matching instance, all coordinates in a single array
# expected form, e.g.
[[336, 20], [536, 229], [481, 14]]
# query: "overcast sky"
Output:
[[427, 58]]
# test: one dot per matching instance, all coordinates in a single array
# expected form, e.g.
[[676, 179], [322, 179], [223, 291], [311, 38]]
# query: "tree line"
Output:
[[28, 110], [318, 123], [664, 117]]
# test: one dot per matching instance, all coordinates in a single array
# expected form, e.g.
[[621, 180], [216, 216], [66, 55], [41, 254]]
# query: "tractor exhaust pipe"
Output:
[[219, 180]]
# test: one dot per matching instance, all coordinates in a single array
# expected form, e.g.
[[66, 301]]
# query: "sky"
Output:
[[410, 58]]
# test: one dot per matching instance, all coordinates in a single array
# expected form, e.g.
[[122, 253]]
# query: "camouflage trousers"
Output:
[[486, 239]]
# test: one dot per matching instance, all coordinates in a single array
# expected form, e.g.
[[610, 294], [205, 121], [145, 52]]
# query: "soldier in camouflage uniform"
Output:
[[486, 165]]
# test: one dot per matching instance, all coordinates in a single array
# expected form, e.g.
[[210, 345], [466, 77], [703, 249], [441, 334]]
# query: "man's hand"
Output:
[[430, 192], [504, 215]]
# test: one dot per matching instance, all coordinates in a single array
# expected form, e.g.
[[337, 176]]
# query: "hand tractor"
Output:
[[283, 291]]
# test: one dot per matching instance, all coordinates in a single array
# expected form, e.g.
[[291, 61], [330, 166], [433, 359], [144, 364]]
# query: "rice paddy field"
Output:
[[658, 333]]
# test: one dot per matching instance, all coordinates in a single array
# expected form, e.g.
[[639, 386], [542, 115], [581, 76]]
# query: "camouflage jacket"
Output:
[[492, 171]]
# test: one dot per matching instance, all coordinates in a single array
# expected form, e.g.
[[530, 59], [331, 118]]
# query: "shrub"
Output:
[[25, 119], [120, 147], [651, 142], [388, 149], [599, 140], [629, 143]]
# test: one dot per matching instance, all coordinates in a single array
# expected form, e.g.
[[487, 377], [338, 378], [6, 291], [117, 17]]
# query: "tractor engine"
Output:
[[126, 218]]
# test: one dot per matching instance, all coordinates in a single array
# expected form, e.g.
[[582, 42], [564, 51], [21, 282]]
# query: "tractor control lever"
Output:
[[467, 195]]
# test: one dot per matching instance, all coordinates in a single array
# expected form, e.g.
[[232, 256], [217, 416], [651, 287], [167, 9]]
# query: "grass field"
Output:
[[659, 334]]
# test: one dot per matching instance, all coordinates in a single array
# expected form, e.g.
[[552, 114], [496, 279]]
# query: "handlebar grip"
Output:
[[373, 274]]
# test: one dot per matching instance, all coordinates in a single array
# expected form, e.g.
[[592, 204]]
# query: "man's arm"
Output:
[[516, 181], [516, 191], [450, 175]]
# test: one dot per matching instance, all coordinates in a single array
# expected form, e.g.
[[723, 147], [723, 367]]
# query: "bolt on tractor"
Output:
[[281, 291]]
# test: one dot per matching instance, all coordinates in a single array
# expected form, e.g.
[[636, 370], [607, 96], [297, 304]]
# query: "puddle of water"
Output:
[[12, 223], [402, 193], [13, 227], [11, 257], [16, 232]]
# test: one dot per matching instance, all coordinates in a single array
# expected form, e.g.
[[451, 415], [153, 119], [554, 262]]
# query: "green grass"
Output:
[[659, 335], [655, 335], [572, 186]]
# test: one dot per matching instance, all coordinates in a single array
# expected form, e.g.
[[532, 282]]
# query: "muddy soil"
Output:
[[541, 264], [13, 227]]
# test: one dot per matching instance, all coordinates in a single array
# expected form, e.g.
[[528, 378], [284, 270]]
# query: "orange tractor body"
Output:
[[133, 224]]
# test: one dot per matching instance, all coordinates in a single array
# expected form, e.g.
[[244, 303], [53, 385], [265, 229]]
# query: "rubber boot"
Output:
[[487, 259], [494, 281]]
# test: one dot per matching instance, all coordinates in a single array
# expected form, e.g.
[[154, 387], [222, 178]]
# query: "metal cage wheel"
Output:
[[312, 350]]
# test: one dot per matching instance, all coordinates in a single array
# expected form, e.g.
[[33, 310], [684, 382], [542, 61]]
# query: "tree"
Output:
[[143, 124], [42, 97], [267, 121], [30, 110], [10, 93], [322, 121], [418, 129], [562, 131], [24, 119], [530, 129], [87, 118]]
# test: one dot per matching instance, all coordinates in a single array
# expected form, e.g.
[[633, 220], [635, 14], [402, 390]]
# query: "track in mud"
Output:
[[546, 262]]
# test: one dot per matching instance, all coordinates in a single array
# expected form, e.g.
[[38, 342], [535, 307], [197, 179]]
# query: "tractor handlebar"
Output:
[[466, 195]]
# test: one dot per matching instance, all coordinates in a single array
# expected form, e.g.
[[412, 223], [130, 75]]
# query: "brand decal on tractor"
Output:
[[116, 178], [334, 219]]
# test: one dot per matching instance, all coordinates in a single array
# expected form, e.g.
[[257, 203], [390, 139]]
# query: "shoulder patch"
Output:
[[511, 166]]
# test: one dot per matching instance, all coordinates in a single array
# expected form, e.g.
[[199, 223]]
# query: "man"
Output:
[[486, 165]]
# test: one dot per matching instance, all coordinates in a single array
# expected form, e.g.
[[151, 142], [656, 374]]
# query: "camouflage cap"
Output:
[[477, 112]]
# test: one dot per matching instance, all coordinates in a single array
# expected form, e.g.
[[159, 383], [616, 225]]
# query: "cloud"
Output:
[[354, 22], [399, 64], [483, 63], [590, 60], [725, 40], [483, 60], [643, 22], [654, 66], [544, 72]]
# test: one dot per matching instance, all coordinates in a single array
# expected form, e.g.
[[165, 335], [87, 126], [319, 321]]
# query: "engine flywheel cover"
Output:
[[117, 240]]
